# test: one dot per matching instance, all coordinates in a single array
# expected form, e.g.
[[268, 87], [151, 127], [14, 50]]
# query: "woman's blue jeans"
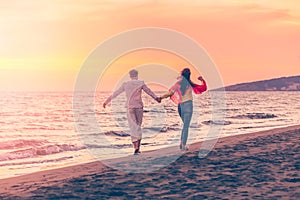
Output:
[[185, 111]]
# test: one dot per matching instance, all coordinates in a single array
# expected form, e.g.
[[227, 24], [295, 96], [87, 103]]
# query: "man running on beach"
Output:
[[133, 89]]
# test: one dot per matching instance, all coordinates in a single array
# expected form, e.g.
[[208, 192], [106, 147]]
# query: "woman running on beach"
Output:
[[181, 94]]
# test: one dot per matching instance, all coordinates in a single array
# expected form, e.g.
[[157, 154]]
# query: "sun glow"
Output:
[[54, 38]]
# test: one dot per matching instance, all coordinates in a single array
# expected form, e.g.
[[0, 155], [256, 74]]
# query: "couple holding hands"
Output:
[[180, 93]]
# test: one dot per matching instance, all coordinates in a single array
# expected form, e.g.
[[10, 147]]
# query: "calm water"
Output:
[[38, 130]]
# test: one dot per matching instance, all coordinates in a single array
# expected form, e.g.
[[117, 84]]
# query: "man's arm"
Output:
[[150, 93], [115, 94]]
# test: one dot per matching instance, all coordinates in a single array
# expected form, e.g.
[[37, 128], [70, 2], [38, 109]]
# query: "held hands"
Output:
[[158, 99]]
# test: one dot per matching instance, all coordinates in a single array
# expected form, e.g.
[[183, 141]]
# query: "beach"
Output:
[[260, 165]]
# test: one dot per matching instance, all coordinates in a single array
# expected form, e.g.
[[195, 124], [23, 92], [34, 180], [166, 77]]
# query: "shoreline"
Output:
[[26, 185], [115, 160]]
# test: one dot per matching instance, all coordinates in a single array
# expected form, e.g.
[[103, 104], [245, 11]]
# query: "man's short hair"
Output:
[[133, 73]]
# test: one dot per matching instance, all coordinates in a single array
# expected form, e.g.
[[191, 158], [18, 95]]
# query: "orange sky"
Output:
[[43, 43]]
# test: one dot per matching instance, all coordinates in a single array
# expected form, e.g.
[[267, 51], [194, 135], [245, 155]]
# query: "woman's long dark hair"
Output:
[[186, 80]]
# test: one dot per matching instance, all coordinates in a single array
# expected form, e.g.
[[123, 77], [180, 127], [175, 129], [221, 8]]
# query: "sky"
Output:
[[44, 43]]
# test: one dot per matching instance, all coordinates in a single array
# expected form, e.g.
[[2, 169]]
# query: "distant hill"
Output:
[[291, 83]]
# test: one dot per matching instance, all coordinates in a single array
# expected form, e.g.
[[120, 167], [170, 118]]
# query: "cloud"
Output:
[[68, 10], [44, 10]]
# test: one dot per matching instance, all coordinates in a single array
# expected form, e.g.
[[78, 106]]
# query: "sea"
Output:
[[42, 130]]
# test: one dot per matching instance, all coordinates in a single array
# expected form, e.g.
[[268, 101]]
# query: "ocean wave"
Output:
[[170, 109], [36, 162], [153, 111], [108, 146], [262, 126], [232, 109], [39, 151], [107, 133], [195, 125], [15, 144], [256, 116], [117, 133], [173, 127], [154, 129], [220, 122], [246, 127], [168, 128]]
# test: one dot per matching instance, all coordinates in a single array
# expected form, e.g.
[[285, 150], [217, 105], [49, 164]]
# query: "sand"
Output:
[[261, 165]]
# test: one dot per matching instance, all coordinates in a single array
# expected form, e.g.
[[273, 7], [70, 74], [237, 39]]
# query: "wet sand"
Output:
[[261, 165]]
